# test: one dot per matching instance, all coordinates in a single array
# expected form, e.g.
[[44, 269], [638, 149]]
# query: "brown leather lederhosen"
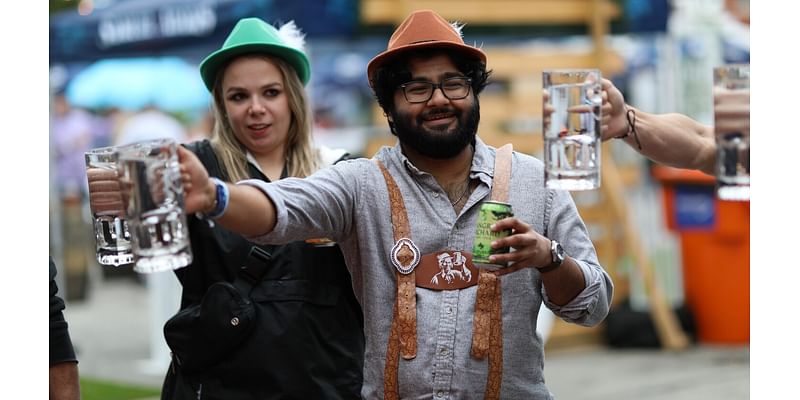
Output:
[[414, 270]]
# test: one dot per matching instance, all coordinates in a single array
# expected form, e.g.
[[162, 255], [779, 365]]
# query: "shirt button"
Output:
[[449, 310], [443, 351], [436, 194], [439, 394]]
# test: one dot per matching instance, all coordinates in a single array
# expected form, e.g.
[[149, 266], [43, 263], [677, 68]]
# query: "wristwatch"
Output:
[[558, 255]]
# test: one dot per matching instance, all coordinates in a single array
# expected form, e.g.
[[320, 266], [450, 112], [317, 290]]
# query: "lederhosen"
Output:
[[487, 334]]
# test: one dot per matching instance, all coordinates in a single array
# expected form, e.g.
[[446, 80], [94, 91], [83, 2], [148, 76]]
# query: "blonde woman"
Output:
[[308, 341]]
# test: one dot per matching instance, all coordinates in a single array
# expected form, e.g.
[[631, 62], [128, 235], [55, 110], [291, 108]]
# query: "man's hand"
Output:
[[614, 123], [530, 248], [199, 192]]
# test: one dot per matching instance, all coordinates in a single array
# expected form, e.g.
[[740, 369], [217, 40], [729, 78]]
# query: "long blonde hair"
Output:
[[301, 158]]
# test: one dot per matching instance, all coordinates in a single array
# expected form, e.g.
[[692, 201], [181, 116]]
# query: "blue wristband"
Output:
[[222, 193]]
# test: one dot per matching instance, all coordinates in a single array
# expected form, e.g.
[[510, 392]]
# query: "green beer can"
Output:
[[490, 212]]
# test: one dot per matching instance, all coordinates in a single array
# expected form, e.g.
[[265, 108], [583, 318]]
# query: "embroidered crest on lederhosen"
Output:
[[452, 265], [405, 256]]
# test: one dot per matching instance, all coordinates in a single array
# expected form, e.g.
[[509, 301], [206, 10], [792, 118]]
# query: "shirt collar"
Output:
[[252, 160]]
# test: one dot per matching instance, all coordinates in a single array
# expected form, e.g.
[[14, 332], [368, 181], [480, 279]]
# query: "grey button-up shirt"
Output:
[[349, 203]]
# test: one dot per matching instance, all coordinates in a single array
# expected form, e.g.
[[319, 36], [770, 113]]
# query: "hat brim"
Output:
[[211, 65], [387, 56]]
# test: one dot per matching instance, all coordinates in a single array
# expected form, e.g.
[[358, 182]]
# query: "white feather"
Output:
[[291, 36], [457, 26]]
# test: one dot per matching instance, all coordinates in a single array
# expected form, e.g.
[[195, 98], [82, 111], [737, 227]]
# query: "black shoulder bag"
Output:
[[202, 335]]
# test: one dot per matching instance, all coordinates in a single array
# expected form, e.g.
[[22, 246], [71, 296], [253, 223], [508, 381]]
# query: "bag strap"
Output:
[[255, 266]]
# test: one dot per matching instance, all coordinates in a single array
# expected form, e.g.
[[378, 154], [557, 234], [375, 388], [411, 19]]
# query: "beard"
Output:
[[435, 143]]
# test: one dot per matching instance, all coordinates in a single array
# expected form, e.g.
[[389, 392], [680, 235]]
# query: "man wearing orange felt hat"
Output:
[[427, 82], [452, 245]]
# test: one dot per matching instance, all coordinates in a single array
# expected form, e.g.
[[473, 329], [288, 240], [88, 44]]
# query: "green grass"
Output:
[[92, 389]]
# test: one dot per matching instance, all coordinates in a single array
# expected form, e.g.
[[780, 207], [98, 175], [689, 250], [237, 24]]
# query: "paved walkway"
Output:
[[701, 373], [111, 332]]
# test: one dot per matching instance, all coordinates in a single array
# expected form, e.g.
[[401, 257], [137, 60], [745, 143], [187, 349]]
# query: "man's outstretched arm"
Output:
[[670, 139], [249, 211]]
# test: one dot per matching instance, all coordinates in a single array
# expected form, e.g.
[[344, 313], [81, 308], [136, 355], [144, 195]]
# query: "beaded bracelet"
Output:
[[221, 200], [630, 115]]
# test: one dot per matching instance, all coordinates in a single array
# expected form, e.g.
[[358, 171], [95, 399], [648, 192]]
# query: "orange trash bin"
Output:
[[715, 253]]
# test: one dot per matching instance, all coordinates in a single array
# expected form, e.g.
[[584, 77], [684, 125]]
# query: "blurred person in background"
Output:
[[426, 338], [110, 120], [310, 344], [64, 383], [74, 130]]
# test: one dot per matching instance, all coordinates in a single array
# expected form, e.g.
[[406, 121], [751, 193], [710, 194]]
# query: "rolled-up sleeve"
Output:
[[591, 305]]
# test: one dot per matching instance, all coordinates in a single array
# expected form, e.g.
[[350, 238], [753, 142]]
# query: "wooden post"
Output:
[[667, 326]]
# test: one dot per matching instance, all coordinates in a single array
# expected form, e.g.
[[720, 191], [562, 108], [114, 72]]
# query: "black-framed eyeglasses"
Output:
[[455, 88]]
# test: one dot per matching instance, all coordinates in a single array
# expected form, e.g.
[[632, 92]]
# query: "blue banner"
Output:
[[135, 28]]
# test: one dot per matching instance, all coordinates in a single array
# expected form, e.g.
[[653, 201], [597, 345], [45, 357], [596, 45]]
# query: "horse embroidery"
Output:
[[451, 266]]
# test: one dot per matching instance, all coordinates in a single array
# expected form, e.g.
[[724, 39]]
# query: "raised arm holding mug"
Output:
[[674, 139], [671, 139], [437, 323]]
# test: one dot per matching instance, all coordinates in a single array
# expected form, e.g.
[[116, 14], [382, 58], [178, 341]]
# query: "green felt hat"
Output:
[[252, 35]]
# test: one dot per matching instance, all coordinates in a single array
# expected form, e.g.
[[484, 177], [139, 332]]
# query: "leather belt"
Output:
[[445, 270]]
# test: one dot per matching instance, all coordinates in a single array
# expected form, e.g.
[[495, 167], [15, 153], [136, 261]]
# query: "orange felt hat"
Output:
[[422, 29]]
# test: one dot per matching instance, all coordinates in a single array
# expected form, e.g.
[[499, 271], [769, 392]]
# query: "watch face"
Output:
[[560, 254]]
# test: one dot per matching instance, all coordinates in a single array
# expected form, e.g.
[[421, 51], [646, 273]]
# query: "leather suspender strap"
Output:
[[487, 327], [406, 300], [495, 377], [487, 290], [403, 335], [502, 173]]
